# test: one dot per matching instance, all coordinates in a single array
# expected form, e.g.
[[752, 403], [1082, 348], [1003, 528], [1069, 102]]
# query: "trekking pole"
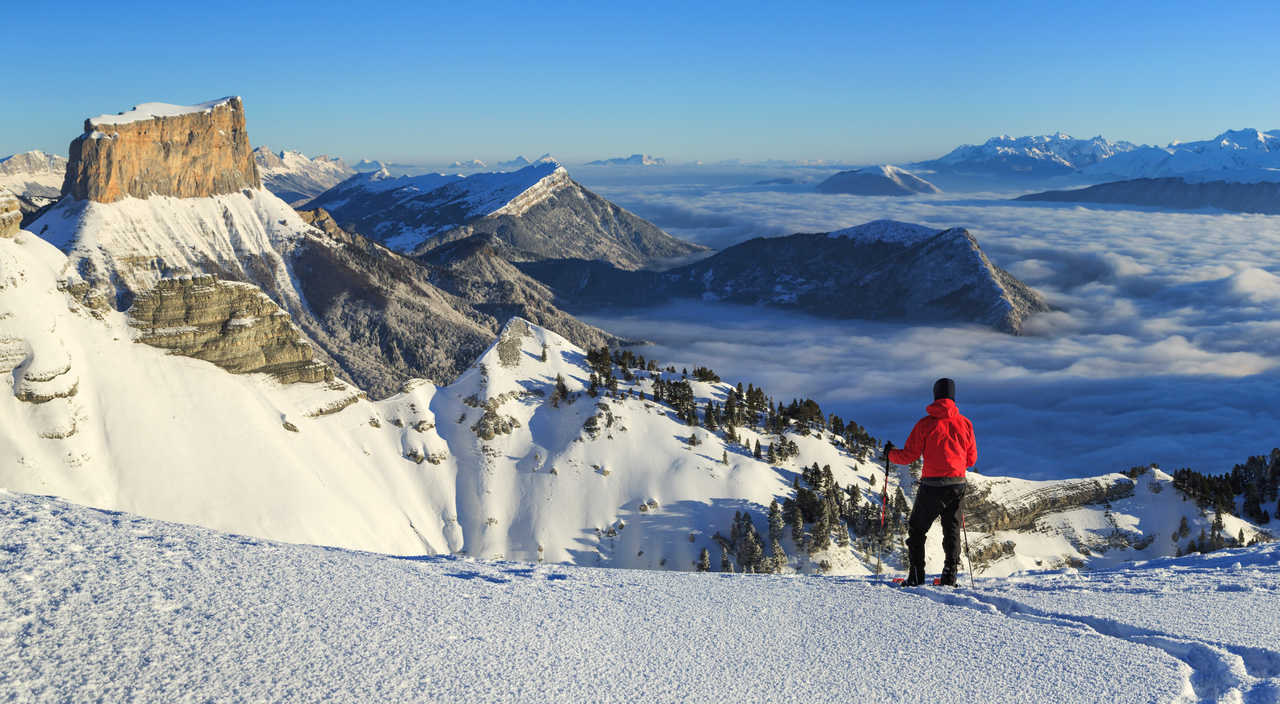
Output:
[[884, 493], [966, 544]]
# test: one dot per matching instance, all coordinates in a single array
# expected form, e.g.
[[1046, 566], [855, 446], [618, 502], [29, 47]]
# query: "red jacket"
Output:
[[945, 438]]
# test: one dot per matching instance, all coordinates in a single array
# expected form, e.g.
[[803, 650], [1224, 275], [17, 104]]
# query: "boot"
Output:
[[948, 578], [915, 577]]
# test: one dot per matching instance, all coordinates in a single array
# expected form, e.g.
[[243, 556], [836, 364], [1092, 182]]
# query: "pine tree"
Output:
[[724, 457], [1240, 538], [704, 561], [725, 565], [775, 522], [777, 557], [797, 526], [544, 352], [821, 535], [842, 534], [757, 451]]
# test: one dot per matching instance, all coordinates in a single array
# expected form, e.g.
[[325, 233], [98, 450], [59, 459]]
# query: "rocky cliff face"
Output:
[[10, 214], [1020, 503], [160, 149], [233, 325]]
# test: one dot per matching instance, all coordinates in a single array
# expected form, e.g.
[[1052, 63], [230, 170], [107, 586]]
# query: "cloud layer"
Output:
[[1165, 346]]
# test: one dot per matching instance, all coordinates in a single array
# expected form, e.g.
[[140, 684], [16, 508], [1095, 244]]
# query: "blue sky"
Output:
[[854, 82]]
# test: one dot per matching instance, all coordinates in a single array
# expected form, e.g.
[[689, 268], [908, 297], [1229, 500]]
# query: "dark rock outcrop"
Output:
[[878, 271], [1174, 193], [159, 149]]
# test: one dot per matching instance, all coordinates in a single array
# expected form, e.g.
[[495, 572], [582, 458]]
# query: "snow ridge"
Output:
[[148, 111]]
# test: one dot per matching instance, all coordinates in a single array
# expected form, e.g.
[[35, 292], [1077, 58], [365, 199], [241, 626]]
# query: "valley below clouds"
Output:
[[1164, 345]]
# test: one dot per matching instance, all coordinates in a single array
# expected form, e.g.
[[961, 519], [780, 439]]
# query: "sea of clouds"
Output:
[[1164, 345]]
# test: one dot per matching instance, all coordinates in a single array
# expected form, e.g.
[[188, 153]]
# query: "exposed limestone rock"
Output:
[[233, 325], [158, 149], [592, 425], [10, 214], [1020, 511], [509, 344]]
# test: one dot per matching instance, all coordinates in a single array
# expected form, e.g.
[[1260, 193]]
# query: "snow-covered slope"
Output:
[[538, 210], [882, 180], [96, 417], [109, 606], [297, 179], [375, 315], [515, 459]]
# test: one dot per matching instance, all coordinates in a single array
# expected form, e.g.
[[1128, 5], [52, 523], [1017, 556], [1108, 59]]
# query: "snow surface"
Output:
[[148, 111], [891, 231], [107, 605]]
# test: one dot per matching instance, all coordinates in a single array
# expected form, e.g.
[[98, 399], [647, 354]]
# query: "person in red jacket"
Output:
[[945, 439]]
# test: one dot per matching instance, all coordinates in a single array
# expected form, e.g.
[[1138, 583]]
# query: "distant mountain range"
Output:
[[1246, 155], [297, 179], [633, 160], [537, 211]]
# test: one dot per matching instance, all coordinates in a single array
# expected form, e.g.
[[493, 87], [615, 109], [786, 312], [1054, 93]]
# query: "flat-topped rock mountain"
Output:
[[376, 317], [1175, 193], [538, 211], [882, 270], [297, 179], [882, 180], [184, 151]]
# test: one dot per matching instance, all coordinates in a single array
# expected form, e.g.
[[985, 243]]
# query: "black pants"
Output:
[[932, 502]]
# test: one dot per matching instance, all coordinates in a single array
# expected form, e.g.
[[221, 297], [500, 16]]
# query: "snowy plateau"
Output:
[[103, 605]]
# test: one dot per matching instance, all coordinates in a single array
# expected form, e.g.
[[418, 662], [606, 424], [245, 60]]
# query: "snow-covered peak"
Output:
[[148, 111], [890, 231], [1242, 155], [33, 174], [469, 164], [1058, 149]]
